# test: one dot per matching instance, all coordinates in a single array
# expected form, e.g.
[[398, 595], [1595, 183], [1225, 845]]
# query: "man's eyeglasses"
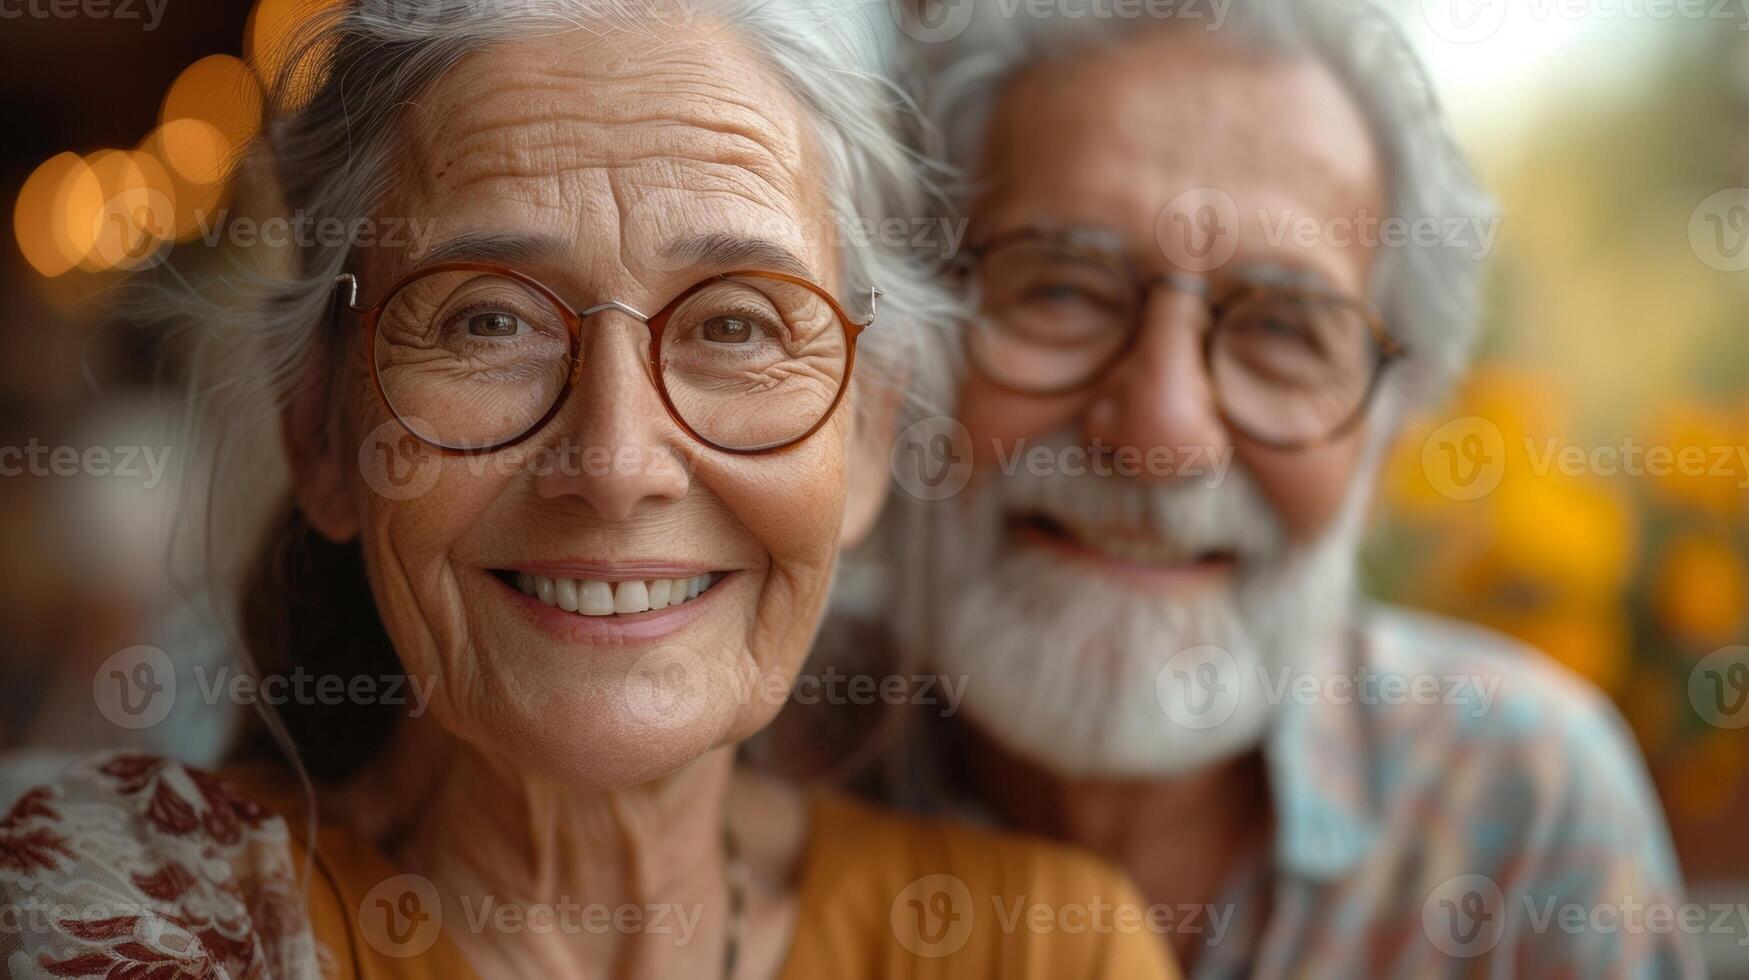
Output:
[[474, 357], [1291, 366]]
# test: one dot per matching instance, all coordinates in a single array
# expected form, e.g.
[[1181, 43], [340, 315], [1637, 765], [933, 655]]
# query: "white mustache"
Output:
[[1230, 515]]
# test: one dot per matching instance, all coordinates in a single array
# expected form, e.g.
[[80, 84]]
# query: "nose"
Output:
[[1160, 395], [620, 448]]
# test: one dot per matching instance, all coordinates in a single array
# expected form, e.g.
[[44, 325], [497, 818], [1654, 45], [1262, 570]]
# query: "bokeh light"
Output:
[[196, 150], [134, 212], [221, 91], [272, 35], [39, 219]]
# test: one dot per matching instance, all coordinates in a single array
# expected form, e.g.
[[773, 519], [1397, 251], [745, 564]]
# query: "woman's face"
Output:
[[620, 168]]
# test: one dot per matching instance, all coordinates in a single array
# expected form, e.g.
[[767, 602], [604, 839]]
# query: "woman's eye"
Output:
[[493, 325], [728, 330]]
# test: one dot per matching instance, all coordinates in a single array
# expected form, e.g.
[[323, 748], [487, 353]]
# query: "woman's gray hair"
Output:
[[330, 150], [263, 326], [1429, 295]]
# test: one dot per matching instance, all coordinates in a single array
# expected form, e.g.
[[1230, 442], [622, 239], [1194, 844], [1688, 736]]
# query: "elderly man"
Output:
[[1215, 260]]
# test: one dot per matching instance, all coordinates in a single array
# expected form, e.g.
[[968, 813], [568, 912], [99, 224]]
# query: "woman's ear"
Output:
[[870, 471], [319, 463]]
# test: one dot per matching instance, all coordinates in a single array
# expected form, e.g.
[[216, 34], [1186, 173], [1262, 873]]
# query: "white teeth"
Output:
[[595, 598], [631, 597], [591, 597], [1142, 549], [567, 593]]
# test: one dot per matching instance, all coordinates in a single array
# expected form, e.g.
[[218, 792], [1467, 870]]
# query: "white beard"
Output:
[[1094, 679]]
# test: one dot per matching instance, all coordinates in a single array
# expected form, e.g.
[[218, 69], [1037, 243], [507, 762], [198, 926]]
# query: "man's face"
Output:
[[1082, 593]]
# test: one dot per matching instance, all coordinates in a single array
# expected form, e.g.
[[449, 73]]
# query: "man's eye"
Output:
[[1057, 294], [493, 325], [728, 330], [1061, 294], [1277, 328]]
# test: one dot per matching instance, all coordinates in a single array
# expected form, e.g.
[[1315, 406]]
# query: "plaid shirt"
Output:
[[1493, 821]]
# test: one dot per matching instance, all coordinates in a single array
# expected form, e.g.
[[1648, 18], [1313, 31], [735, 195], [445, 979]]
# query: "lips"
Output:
[[1127, 544], [602, 597]]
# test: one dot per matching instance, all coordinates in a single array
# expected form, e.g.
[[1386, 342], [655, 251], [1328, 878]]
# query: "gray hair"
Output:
[[330, 150], [1430, 296]]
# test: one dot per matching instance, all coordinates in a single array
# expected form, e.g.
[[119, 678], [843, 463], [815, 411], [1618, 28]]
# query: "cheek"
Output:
[[416, 505], [995, 417], [793, 505], [1307, 488]]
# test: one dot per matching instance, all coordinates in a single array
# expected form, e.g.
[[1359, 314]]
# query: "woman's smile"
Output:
[[616, 605]]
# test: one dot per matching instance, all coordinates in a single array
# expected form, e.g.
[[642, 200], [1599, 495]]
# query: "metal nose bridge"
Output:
[[577, 363], [612, 305]]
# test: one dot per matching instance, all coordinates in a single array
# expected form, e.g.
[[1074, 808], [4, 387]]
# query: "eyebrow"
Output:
[[1282, 274], [716, 250], [503, 247], [725, 251]]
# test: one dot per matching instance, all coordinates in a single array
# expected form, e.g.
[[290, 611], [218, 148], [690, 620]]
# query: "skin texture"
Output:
[[542, 771], [1277, 136], [1130, 128]]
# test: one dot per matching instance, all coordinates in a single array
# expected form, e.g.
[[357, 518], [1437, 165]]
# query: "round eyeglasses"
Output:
[[1291, 366], [474, 357]]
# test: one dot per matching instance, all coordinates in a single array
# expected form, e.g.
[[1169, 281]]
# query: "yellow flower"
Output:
[[1506, 406], [1698, 590], [1705, 470], [1574, 537]]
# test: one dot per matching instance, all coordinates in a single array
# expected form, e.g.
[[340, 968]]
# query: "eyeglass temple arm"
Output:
[[874, 296], [347, 283]]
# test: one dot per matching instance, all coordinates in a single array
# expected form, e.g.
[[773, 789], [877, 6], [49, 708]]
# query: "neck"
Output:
[[503, 844], [1179, 838]]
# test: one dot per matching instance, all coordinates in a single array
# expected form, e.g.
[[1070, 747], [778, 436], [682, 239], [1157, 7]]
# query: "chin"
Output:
[[601, 739], [1092, 680]]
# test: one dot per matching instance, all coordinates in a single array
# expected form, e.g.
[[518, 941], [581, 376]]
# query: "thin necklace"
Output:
[[736, 872]]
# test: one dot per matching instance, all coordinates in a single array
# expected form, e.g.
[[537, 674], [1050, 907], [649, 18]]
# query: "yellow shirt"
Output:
[[881, 895]]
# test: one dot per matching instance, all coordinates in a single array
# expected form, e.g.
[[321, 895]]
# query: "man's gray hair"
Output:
[[1429, 295]]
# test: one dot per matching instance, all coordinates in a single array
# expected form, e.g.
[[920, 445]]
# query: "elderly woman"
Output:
[[577, 467]]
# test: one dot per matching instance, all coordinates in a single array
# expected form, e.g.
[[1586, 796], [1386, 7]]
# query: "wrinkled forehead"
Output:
[[618, 144], [1177, 108]]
